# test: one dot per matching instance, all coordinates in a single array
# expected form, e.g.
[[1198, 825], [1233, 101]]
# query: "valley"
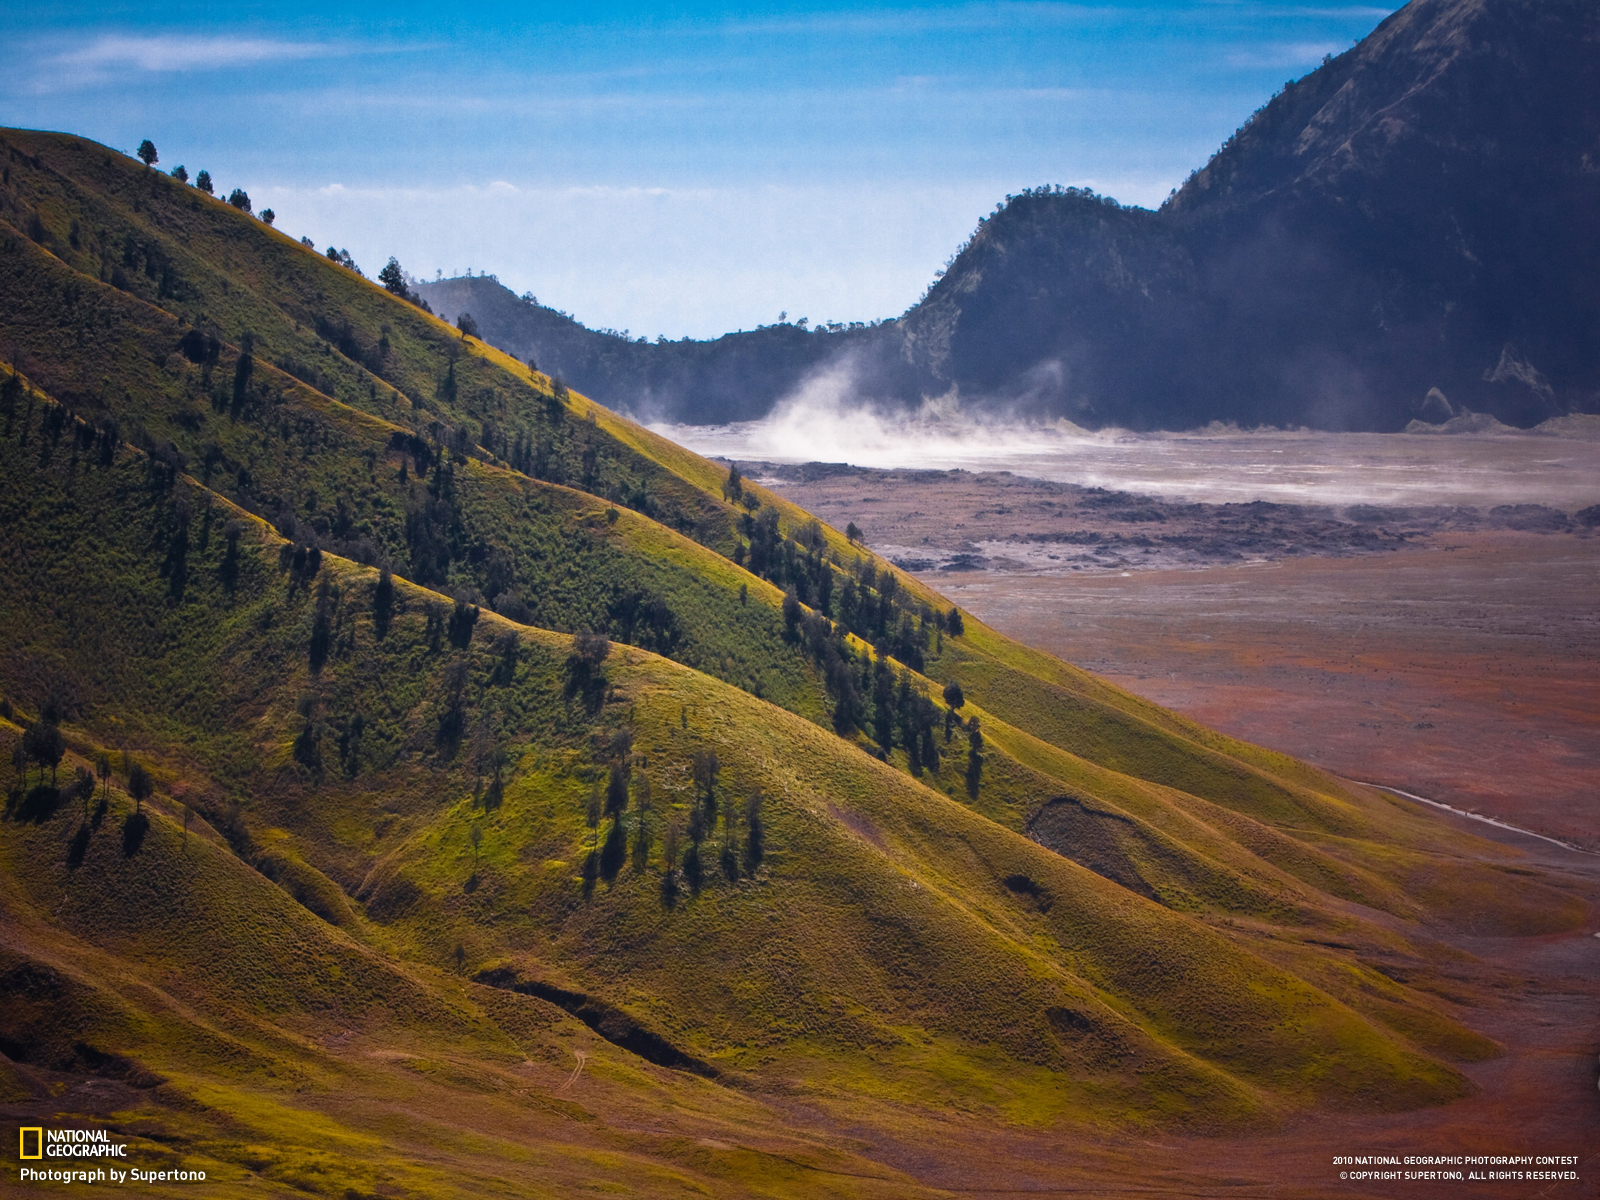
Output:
[[422, 780]]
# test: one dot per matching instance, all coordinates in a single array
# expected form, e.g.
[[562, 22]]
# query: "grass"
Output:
[[1132, 924]]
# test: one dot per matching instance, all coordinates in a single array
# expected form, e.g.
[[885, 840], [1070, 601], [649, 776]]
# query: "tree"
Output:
[[140, 786], [322, 627], [791, 614], [102, 768], [584, 678], [180, 173], [692, 866], [383, 603], [755, 838], [240, 199], [669, 861], [706, 768], [147, 153], [955, 699], [268, 215], [83, 788], [203, 182], [853, 532], [468, 327], [974, 757], [733, 489], [393, 278], [45, 745], [475, 836], [617, 790], [954, 623]]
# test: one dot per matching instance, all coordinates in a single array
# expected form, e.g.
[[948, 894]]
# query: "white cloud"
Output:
[[181, 52], [901, 22], [1283, 54]]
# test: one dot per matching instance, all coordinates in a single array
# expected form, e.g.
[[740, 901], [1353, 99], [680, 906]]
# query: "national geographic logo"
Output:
[[40, 1143], [85, 1156]]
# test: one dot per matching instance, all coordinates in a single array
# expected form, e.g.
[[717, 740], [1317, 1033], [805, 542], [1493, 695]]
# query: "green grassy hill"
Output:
[[532, 808]]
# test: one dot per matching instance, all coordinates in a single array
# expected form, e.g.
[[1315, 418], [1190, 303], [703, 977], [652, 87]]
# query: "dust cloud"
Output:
[[1557, 465]]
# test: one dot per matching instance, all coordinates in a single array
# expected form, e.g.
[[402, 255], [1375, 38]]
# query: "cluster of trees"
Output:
[[865, 690], [869, 694], [97, 441], [395, 282], [342, 257], [870, 604], [434, 531], [42, 747], [239, 198], [724, 832], [742, 845]]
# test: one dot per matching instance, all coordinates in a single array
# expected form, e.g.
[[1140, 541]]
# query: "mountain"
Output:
[[1407, 232], [708, 382], [424, 781]]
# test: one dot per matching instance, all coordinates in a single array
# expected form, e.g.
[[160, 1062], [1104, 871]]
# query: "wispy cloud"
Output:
[[1282, 54], [181, 52], [966, 17]]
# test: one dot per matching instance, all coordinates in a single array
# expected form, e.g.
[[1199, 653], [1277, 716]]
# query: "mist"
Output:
[[825, 421]]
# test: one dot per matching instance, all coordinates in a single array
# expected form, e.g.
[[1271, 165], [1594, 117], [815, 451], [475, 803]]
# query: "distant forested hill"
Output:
[[1408, 231]]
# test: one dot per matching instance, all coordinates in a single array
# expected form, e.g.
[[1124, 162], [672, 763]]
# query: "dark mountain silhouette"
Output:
[[731, 378], [1409, 231]]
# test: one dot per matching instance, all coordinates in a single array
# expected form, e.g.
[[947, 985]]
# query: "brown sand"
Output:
[[1448, 653]]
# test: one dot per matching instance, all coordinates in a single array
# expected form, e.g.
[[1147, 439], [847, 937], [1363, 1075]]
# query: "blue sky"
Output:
[[686, 169]]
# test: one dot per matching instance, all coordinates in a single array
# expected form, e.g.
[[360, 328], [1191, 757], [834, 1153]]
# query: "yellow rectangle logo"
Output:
[[38, 1142]]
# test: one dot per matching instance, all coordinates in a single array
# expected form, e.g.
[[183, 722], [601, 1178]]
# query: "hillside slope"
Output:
[[1405, 232], [663, 875]]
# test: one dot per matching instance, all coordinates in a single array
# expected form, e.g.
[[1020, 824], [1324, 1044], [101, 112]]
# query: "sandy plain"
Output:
[[1451, 652]]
